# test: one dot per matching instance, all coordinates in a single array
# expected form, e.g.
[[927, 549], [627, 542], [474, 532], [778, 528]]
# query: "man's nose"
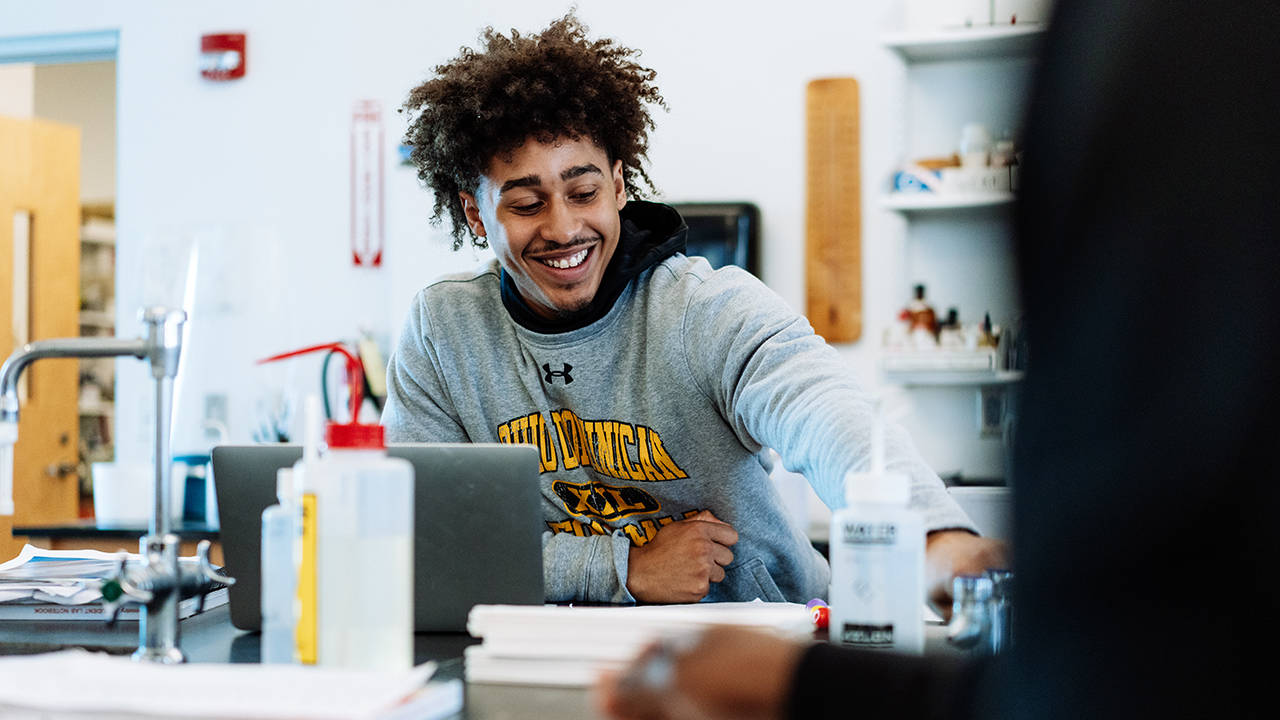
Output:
[[562, 224]]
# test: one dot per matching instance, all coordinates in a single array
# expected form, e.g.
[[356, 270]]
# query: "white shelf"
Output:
[[955, 378], [101, 408], [95, 319], [927, 202], [969, 43], [98, 233]]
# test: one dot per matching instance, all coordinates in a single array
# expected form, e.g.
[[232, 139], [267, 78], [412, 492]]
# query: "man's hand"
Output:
[[724, 673], [679, 564], [949, 553]]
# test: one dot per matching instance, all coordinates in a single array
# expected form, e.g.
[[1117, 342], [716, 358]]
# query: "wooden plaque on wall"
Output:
[[833, 212]]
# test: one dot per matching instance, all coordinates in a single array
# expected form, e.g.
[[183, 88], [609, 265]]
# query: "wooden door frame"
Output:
[[50, 49]]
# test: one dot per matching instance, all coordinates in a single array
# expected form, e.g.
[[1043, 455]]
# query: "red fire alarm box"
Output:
[[222, 56]]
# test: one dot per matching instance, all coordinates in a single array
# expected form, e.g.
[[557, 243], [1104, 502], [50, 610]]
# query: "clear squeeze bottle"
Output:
[[877, 561], [356, 576], [279, 575]]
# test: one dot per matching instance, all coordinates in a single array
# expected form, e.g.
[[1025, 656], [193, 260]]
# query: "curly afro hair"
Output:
[[558, 84]]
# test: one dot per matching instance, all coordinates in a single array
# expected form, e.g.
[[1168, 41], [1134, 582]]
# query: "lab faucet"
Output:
[[160, 582]]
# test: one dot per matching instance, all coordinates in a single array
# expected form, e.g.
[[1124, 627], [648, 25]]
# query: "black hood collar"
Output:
[[651, 232]]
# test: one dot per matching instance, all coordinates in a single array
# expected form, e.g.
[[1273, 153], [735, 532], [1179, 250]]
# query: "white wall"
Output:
[[17, 90], [255, 172], [84, 94]]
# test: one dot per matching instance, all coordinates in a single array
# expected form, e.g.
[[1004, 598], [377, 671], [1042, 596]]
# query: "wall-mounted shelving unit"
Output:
[[959, 244], [971, 43], [926, 379], [957, 45], [926, 202], [97, 318]]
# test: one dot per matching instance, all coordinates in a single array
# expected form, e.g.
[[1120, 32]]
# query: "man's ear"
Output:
[[472, 211], [619, 185]]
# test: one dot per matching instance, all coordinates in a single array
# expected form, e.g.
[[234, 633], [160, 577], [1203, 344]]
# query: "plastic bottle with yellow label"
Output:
[[356, 573]]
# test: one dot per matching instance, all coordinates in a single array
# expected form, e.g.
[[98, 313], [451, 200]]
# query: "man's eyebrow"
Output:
[[526, 181], [580, 170], [536, 180]]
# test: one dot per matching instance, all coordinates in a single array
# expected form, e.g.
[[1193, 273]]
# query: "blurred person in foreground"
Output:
[[1148, 232]]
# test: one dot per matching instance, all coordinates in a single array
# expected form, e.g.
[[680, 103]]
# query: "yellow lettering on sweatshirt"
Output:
[[604, 442], [627, 438], [568, 438], [613, 448], [670, 470], [546, 450]]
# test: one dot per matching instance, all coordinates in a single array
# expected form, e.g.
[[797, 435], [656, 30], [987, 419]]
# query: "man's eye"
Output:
[[526, 209], [585, 197]]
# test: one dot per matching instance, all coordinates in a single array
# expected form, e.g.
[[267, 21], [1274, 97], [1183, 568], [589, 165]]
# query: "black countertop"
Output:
[[91, 529], [207, 638]]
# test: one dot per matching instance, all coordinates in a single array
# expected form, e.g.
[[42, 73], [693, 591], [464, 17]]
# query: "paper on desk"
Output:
[[484, 667], [76, 681], [931, 616], [570, 646], [37, 563], [63, 577], [77, 594], [632, 623]]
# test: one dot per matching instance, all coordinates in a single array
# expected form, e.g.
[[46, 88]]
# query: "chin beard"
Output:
[[574, 312]]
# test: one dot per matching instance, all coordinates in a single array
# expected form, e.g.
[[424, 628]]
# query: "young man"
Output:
[[650, 383]]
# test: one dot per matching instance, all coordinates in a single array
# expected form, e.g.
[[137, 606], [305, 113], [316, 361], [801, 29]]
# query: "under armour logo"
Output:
[[558, 373]]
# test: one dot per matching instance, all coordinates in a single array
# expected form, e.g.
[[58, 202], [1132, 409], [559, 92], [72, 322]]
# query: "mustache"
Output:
[[576, 242]]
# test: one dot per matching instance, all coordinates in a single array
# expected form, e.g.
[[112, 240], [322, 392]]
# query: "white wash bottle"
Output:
[[358, 507], [877, 560], [279, 574]]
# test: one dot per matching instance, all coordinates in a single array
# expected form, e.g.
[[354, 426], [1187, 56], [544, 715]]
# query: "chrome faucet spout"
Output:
[[86, 347]]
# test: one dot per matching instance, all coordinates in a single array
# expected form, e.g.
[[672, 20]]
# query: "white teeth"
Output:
[[566, 263]]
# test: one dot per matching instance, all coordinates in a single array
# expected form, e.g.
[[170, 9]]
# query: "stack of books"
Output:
[[67, 585], [570, 646]]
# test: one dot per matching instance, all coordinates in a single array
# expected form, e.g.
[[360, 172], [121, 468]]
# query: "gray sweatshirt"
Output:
[[658, 410]]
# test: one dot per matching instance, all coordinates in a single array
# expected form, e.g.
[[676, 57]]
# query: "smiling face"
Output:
[[550, 212]]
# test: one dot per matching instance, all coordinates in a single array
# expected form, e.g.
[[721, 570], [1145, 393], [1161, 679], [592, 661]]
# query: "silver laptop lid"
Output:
[[478, 526]]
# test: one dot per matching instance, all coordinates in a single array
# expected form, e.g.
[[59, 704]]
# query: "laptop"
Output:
[[477, 535]]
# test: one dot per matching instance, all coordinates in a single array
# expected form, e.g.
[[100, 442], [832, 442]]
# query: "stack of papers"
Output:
[[78, 684], [67, 585], [570, 646]]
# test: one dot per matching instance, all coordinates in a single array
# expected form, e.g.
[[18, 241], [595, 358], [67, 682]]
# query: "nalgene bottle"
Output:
[[877, 566], [356, 576]]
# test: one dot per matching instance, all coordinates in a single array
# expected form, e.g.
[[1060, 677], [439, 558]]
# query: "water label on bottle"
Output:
[[870, 533], [867, 636]]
